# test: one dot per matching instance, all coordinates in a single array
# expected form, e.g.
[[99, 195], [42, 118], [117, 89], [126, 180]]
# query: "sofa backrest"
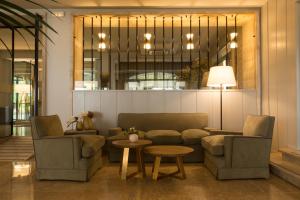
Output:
[[256, 125], [46, 126], [163, 121]]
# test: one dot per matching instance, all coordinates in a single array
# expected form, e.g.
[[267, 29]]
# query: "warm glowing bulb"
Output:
[[101, 35], [148, 36], [190, 46], [189, 36], [102, 45], [233, 35], [147, 46], [233, 45]]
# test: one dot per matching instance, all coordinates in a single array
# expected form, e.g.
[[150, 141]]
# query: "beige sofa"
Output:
[[64, 157], [232, 155], [162, 129]]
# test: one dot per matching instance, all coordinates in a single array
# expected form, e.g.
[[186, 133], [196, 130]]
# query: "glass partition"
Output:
[[162, 52], [16, 81]]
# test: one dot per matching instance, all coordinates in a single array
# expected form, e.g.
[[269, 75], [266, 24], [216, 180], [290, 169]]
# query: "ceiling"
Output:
[[145, 3]]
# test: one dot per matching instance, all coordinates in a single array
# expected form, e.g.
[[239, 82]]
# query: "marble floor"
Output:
[[17, 182]]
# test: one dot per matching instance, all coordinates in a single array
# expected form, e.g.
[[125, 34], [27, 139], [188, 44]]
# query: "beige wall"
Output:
[[248, 65], [279, 85]]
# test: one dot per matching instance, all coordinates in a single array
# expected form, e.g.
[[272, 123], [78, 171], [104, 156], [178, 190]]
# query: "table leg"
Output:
[[156, 167], [179, 161], [140, 162], [124, 163]]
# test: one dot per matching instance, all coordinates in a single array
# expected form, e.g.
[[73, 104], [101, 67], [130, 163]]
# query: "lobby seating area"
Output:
[[149, 100], [228, 155]]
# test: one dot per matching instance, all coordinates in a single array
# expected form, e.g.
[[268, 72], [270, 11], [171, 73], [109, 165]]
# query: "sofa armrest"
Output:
[[114, 131], [83, 132], [58, 152], [246, 151], [214, 131]]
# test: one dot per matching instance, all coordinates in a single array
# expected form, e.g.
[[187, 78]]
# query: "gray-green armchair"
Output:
[[233, 155], [64, 157]]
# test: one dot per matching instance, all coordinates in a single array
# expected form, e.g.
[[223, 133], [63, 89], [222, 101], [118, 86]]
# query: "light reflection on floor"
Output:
[[17, 181], [22, 130], [21, 169]]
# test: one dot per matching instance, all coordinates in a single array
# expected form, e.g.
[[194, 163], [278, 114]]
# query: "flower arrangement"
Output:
[[133, 134], [131, 130], [82, 121]]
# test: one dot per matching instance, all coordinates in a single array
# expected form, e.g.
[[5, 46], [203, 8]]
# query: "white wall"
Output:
[[59, 69], [108, 104], [279, 70]]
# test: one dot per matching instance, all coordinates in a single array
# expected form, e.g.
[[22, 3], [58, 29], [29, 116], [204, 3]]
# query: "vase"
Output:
[[133, 137]]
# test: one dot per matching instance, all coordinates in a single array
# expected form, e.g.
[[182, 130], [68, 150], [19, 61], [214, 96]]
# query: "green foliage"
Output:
[[13, 15]]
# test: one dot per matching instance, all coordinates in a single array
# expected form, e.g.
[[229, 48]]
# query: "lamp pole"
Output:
[[221, 106], [36, 66]]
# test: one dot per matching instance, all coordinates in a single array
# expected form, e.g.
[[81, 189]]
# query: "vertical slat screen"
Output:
[[169, 53]]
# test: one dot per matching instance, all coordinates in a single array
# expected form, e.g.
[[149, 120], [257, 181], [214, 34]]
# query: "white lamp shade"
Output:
[[221, 76]]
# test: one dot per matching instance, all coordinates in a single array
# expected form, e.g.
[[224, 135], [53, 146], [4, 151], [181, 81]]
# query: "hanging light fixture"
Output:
[[148, 36], [190, 44], [190, 36], [147, 44], [101, 35], [233, 43], [233, 35], [102, 44]]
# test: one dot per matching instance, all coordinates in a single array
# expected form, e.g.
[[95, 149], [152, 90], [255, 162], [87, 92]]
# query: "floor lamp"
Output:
[[221, 77]]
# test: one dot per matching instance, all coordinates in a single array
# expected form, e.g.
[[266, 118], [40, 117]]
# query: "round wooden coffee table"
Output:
[[160, 151], [126, 145]]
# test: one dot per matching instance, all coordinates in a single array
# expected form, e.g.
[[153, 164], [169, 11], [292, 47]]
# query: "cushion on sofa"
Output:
[[214, 144], [164, 137], [91, 144], [193, 136]]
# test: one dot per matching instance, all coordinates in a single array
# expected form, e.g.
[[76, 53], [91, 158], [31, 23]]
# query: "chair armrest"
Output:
[[214, 131], [58, 152], [246, 151], [114, 131], [83, 132]]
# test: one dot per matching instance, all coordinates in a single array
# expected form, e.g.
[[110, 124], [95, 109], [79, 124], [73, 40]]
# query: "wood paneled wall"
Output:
[[237, 104], [279, 86]]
